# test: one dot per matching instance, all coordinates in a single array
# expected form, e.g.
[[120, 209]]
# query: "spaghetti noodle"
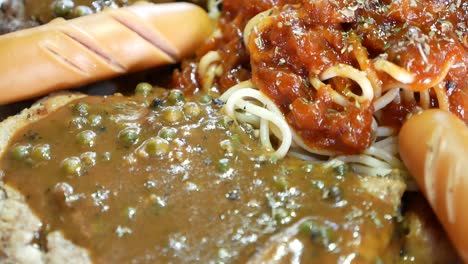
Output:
[[335, 80]]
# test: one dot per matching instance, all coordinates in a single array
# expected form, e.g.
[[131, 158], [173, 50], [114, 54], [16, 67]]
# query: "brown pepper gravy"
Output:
[[203, 193]]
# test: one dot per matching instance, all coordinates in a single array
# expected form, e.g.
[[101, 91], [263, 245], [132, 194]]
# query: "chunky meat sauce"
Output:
[[300, 39]]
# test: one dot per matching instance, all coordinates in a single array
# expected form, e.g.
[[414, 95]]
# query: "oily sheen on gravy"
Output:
[[166, 178]]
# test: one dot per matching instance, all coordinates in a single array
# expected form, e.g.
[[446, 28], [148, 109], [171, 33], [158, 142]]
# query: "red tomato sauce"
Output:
[[300, 39]]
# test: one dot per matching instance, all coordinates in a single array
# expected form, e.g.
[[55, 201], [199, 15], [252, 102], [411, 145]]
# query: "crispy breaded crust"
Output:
[[36, 112], [18, 223]]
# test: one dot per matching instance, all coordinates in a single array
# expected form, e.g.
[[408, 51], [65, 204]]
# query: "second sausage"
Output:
[[434, 147]]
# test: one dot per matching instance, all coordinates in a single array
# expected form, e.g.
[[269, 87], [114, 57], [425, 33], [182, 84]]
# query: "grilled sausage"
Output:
[[434, 147], [69, 53]]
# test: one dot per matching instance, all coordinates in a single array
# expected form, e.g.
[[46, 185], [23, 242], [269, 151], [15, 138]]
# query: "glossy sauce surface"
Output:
[[206, 192], [299, 39]]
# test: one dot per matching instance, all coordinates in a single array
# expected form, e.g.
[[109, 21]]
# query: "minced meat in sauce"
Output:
[[299, 39], [159, 177]]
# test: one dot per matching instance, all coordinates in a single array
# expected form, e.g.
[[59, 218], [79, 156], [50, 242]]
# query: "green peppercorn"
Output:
[[176, 96], [341, 169], [223, 165], [80, 109], [72, 166], [41, 152], [82, 10], [168, 133], [281, 215], [235, 139], [317, 184], [205, 99], [156, 147], [224, 123], [94, 120], [129, 136], [86, 138], [21, 152], [62, 8], [191, 109], [281, 182], [78, 122], [88, 158], [143, 89], [172, 114], [307, 227]]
